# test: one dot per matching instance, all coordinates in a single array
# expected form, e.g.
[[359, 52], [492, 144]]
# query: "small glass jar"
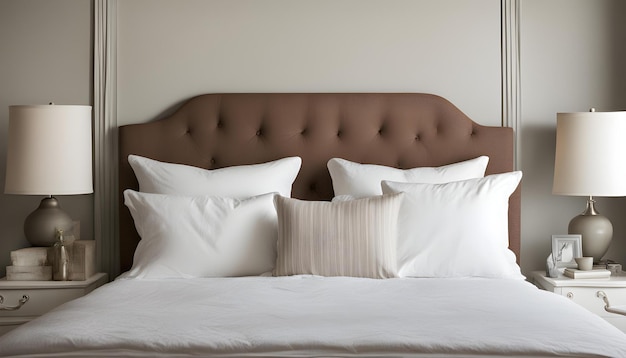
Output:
[[616, 269], [62, 255]]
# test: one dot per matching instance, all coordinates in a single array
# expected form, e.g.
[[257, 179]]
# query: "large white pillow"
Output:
[[354, 238], [233, 182], [457, 229], [362, 180], [202, 236]]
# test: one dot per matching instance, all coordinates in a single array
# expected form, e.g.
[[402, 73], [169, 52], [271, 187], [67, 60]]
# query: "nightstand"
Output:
[[42, 297], [584, 292]]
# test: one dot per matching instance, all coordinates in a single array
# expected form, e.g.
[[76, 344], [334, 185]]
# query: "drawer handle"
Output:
[[19, 305], [607, 305]]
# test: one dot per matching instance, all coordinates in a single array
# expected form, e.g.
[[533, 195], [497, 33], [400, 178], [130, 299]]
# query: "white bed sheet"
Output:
[[315, 316]]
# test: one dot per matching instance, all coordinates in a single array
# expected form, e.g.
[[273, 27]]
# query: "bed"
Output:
[[299, 225]]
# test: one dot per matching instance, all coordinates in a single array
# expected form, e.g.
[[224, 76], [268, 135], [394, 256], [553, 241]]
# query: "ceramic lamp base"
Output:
[[596, 231], [41, 225]]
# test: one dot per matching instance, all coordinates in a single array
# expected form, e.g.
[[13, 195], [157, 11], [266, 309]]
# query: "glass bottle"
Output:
[[61, 268]]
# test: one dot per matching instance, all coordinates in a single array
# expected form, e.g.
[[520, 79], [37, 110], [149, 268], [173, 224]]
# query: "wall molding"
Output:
[[511, 85], [105, 135]]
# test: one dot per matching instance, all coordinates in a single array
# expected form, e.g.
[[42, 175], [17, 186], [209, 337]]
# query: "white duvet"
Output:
[[315, 316]]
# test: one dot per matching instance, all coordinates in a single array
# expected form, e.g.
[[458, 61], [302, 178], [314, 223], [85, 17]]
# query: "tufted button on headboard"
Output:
[[403, 130]]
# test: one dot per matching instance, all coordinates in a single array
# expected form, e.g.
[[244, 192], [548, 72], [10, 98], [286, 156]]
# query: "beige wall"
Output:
[[169, 50], [45, 55], [571, 57]]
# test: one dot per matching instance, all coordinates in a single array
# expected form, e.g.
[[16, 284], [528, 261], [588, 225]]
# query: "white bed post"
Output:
[[105, 135]]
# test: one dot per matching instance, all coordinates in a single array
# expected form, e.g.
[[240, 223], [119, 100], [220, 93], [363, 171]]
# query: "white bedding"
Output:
[[316, 316]]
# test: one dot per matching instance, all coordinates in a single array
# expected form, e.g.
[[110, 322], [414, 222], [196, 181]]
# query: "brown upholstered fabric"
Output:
[[403, 130]]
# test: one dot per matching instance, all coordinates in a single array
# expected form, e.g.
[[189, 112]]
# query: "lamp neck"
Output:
[[590, 209], [49, 202]]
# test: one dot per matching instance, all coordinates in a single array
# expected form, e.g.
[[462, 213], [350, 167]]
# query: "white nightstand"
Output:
[[42, 297], [584, 292]]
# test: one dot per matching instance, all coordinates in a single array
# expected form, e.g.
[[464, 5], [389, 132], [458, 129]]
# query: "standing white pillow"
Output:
[[457, 229], [363, 180], [241, 181]]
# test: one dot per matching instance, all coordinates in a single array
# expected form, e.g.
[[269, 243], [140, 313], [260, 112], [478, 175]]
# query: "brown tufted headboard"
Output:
[[404, 130]]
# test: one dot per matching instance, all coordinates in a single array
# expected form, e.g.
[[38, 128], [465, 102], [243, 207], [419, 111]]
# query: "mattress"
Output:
[[316, 316]]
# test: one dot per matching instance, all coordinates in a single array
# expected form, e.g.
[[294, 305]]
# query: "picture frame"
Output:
[[565, 248]]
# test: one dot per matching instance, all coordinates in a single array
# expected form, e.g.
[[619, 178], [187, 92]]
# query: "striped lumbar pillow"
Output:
[[354, 238]]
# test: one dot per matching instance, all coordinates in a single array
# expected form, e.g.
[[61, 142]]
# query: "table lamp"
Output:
[[48, 153], [590, 161]]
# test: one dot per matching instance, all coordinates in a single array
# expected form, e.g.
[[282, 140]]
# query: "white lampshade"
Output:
[[49, 150], [590, 157]]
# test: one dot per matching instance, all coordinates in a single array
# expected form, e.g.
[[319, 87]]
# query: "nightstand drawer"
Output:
[[584, 292], [587, 297], [43, 296], [39, 301]]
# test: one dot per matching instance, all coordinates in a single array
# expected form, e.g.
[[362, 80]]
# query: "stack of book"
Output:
[[594, 273], [30, 264], [35, 263]]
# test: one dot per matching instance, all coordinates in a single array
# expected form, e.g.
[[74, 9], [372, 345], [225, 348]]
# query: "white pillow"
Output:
[[202, 236], [362, 180], [233, 182], [457, 229], [353, 238]]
